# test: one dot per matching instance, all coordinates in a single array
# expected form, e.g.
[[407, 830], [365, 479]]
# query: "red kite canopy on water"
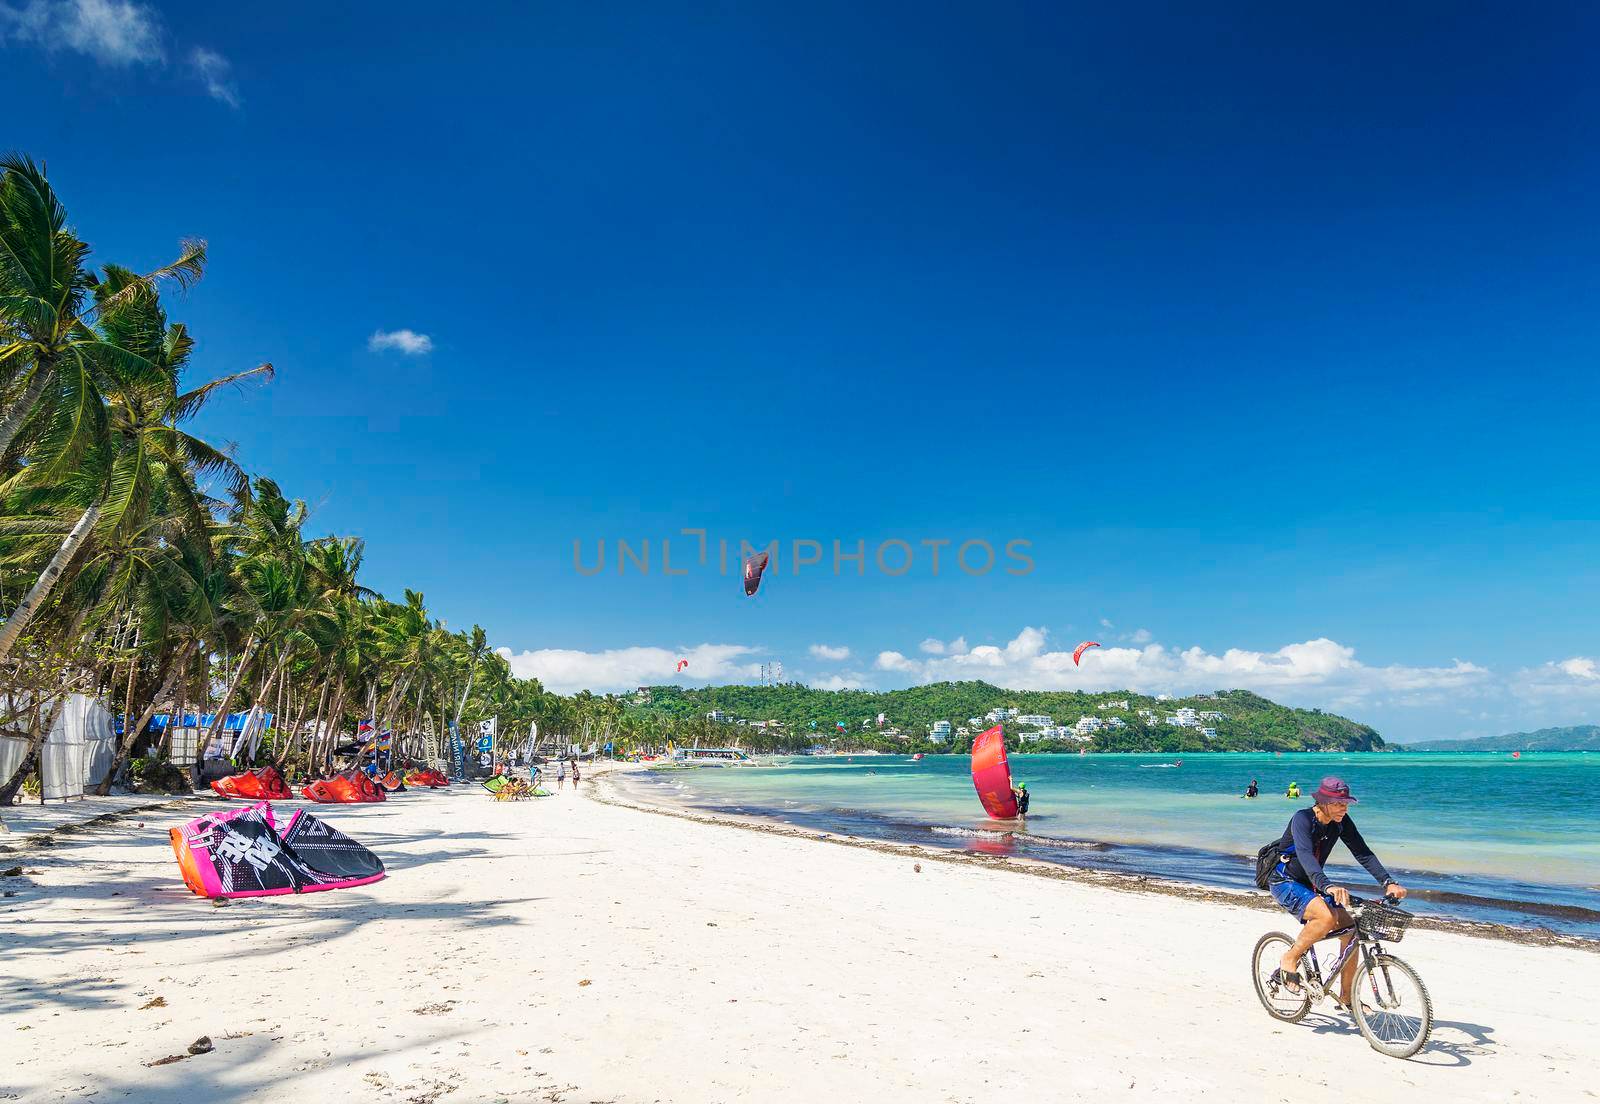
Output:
[[1077, 653], [753, 567]]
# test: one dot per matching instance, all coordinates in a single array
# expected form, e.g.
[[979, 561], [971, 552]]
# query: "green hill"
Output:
[[1570, 738], [1249, 722]]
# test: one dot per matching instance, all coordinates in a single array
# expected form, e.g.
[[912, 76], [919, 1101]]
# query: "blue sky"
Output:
[[1272, 332]]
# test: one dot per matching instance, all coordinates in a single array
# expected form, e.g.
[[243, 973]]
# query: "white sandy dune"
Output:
[[567, 950]]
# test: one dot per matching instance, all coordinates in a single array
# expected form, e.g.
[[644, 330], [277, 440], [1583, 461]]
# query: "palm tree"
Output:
[[113, 424], [52, 344]]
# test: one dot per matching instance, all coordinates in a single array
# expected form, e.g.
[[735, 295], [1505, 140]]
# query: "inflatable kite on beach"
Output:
[[991, 775], [257, 785], [243, 853], [753, 567], [1077, 653], [346, 788], [428, 777]]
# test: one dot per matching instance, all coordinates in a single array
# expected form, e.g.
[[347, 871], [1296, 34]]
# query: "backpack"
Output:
[[1266, 859]]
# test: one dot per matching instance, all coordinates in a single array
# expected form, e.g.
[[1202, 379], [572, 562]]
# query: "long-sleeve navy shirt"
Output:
[[1307, 843]]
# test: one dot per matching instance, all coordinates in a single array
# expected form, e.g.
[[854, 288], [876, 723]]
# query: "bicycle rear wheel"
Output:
[[1278, 1001], [1401, 1016]]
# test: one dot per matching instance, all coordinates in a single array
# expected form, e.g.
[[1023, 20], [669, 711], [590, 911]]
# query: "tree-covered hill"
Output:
[[1568, 738], [1250, 722]]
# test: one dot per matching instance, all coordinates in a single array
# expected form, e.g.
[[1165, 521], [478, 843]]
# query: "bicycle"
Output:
[[1400, 1018]]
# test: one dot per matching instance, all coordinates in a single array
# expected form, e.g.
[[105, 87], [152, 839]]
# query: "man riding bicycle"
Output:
[[1300, 885]]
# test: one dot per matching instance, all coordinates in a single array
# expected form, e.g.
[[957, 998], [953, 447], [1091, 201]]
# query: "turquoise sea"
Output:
[[1479, 836]]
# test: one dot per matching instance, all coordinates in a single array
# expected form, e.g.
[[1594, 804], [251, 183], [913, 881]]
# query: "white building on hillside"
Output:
[[940, 732], [1037, 720], [1123, 704]]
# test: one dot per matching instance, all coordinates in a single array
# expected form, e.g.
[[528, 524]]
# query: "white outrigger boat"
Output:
[[709, 756]]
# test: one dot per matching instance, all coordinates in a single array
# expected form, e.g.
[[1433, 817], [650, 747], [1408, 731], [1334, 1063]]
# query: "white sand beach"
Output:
[[570, 950]]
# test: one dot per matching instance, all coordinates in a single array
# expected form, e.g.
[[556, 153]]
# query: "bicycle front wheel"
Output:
[[1392, 1008], [1278, 1001]]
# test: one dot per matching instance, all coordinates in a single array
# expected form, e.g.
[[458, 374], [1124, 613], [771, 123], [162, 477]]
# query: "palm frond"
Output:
[[190, 402]]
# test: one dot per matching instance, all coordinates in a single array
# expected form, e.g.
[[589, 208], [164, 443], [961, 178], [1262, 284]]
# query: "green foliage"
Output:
[[156, 775], [1253, 723]]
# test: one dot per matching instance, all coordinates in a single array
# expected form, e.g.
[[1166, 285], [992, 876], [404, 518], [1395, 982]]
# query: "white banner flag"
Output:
[[486, 728]]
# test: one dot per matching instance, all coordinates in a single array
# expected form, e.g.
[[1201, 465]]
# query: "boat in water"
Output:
[[709, 757]]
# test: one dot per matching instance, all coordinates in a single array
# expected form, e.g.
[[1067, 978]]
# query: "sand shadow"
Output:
[[1452, 1044]]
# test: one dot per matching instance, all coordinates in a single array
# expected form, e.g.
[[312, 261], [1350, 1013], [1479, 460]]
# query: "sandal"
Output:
[[1289, 979], [1366, 1009]]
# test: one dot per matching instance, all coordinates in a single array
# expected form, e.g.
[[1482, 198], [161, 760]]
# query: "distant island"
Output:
[[946, 716], [1569, 738]]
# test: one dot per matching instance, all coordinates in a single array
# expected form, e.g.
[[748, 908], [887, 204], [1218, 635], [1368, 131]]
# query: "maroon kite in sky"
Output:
[[753, 567]]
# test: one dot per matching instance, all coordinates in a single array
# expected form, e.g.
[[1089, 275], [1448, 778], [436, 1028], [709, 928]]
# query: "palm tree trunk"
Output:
[[322, 700], [335, 717], [130, 733], [24, 405], [29, 606], [221, 714]]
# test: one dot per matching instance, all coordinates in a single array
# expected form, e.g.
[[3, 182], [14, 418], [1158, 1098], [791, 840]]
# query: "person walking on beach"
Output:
[[575, 774], [561, 775], [1303, 888]]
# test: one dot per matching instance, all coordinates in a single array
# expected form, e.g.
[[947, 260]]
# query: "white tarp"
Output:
[[79, 749], [77, 752], [12, 748]]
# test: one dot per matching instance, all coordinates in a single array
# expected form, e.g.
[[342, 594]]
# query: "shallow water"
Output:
[[1481, 836]]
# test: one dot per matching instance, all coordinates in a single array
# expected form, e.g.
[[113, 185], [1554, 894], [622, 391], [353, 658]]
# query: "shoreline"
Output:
[[605, 791]]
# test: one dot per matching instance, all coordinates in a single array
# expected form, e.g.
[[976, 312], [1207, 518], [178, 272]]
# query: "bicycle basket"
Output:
[[1385, 922]]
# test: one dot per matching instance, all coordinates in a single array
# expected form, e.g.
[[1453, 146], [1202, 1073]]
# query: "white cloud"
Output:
[[1571, 679], [935, 646], [566, 671], [850, 680], [894, 661], [1321, 671], [216, 73], [113, 32], [408, 342], [1139, 636], [1106, 624], [826, 651], [1581, 668]]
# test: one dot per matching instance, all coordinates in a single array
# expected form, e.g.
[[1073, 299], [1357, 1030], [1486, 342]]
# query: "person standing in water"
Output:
[[1019, 793], [1253, 790]]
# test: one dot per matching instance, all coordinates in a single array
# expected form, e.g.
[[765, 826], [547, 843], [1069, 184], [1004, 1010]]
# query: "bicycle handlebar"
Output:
[[1361, 902]]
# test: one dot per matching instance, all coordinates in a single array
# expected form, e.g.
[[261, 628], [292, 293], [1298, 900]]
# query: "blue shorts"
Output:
[[1294, 896]]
